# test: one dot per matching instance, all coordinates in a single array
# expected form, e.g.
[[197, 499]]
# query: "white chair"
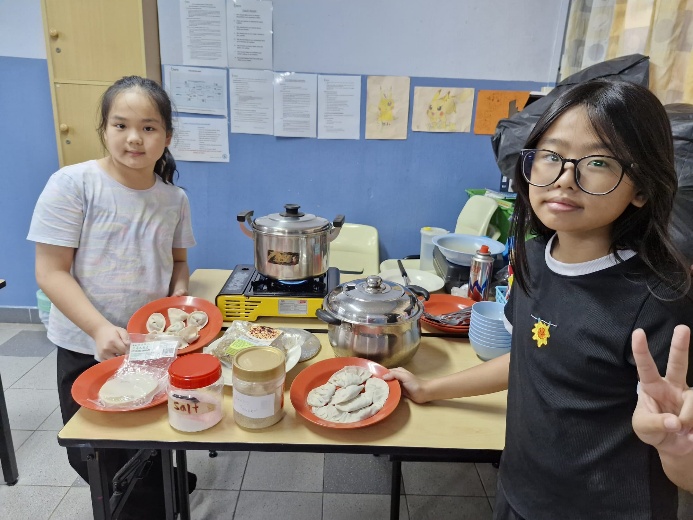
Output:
[[475, 217], [355, 250]]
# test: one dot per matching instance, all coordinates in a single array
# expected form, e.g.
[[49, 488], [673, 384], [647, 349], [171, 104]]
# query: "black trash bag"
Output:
[[512, 133], [681, 117]]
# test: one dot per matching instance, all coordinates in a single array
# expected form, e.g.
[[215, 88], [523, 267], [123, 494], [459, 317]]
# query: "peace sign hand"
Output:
[[663, 416]]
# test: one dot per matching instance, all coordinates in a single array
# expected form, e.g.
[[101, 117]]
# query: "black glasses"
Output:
[[594, 174]]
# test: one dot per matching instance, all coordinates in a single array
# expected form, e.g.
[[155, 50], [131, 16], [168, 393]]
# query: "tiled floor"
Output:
[[238, 485]]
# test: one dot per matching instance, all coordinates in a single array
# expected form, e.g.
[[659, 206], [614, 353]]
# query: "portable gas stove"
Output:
[[249, 295]]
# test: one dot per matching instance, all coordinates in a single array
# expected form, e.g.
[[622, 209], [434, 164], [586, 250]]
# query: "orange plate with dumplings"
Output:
[[318, 374], [85, 389], [138, 322]]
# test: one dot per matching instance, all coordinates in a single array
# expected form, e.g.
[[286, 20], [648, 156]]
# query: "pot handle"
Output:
[[419, 291], [327, 317], [337, 224], [242, 217]]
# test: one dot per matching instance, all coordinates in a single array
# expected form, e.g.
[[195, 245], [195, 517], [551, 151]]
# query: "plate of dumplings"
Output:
[[344, 393], [195, 321]]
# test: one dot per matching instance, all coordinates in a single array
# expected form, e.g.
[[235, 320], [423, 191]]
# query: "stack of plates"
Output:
[[487, 333], [443, 304]]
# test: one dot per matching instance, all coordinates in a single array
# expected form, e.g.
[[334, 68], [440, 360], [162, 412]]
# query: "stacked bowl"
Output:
[[487, 333]]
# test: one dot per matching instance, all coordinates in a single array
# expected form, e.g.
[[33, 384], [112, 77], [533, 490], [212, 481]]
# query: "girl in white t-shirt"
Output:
[[112, 235]]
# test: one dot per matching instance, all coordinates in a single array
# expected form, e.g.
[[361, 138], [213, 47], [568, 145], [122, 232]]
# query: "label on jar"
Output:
[[253, 406]]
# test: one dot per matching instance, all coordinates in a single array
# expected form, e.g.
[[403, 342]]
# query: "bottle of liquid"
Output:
[[480, 273]]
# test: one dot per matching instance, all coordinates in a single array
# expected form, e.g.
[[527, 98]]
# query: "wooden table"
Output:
[[471, 429]]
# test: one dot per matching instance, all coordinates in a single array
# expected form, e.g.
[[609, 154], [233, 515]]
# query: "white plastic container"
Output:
[[426, 255]]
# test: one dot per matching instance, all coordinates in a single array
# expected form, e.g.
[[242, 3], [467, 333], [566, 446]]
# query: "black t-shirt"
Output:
[[570, 450]]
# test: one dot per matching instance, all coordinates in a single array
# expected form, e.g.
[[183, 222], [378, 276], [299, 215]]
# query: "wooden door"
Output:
[[77, 114]]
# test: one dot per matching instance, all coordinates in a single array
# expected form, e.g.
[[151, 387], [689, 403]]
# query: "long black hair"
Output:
[[165, 167], [632, 123]]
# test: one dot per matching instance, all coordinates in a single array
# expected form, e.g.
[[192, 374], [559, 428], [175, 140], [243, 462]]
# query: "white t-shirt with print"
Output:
[[123, 240]]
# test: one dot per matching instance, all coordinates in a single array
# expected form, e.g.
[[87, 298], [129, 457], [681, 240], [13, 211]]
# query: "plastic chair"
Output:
[[355, 250], [475, 217]]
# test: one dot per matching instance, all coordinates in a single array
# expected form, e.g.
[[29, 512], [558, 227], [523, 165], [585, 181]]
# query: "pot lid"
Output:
[[291, 222], [373, 301]]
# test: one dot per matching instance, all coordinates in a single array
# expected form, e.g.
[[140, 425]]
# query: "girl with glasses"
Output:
[[601, 310]]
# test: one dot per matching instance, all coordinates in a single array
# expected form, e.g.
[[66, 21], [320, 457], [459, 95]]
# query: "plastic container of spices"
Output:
[[195, 392], [258, 387]]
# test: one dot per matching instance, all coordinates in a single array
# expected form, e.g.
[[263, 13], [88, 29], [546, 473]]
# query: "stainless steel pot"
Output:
[[291, 245], [374, 319]]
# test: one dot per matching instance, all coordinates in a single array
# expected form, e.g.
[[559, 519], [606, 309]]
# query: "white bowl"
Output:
[[460, 249], [484, 352], [428, 281]]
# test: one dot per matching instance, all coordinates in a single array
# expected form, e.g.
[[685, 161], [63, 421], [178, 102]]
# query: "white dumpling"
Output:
[[156, 322], [175, 327], [346, 394], [175, 314], [363, 413], [360, 401], [380, 390], [189, 334], [350, 375], [330, 413], [198, 319], [321, 395], [128, 389]]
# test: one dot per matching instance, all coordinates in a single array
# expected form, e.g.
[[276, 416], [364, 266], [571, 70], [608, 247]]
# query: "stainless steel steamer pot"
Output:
[[374, 319], [291, 245]]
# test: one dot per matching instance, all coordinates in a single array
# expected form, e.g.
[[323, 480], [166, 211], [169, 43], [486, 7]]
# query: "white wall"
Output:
[[21, 29]]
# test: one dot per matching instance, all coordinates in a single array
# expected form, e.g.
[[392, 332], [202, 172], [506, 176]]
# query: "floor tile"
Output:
[[15, 315], [42, 462], [441, 478], [76, 505], [27, 343], [223, 472], [43, 376], [13, 368], [261, 505], [208, 504], [284, 471], [6, 334], [19, 437], [34, 502], [27, 409], [354, 473], [350, 506], [489, 477], [80, 482], [54, 422], [21, 326], [448, 508]]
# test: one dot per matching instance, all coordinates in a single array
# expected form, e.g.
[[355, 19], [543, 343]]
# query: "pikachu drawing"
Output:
[[386, 107], [440, 112]]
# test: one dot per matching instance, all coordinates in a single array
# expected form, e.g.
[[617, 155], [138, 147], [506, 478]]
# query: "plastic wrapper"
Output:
[[143, 375], [512, 133], [243, 334]]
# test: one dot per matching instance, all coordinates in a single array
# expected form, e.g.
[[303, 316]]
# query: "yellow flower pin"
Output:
[[541, 333]]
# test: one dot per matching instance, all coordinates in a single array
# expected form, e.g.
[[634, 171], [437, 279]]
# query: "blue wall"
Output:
[[396, 186]]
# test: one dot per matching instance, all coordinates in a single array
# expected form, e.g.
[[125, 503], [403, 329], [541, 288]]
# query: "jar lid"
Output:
[[291, 222], [259, 364], [194, 371], [373, 301]]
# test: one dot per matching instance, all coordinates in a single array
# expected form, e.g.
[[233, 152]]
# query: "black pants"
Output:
[[147, 497], [502, 510]]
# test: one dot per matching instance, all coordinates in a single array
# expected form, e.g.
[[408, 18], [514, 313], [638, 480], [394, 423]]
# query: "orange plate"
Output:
[[318, 374], [450, 329], [86, 387], [138, 322], [445, 303]]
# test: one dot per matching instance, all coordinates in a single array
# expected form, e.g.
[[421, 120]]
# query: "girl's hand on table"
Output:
[[180, 292], [111, 341], [412, 386], [663, 416]]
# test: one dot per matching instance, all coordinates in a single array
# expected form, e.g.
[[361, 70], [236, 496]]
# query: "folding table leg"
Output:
[[98, 484], [183, 494], [396, 488], [8, 461], [169, 486]]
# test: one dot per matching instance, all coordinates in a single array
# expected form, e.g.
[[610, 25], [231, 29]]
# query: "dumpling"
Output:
[[380, 390], [350, 375], [130, 389], [346, 394], [321, 395], [198, 319], [156, 322], [175, 314], [175, 327], [330, 413], [189, 334], [363, 413], [360, 401]]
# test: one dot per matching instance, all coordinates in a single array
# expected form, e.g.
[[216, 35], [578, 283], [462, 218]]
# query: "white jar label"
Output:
[[253, 406]]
